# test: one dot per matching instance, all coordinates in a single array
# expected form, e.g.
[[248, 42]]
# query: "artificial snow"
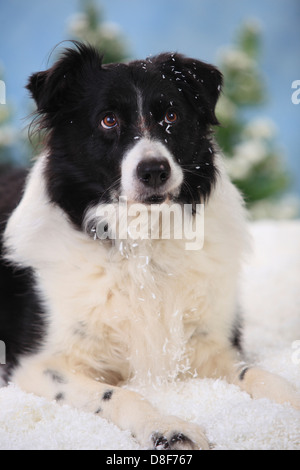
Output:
[[270, 299]]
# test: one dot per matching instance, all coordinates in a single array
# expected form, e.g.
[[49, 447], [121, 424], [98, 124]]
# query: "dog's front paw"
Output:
[[173, 433]]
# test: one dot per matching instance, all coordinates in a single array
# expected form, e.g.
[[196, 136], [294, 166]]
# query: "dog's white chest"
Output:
[[128, 312]]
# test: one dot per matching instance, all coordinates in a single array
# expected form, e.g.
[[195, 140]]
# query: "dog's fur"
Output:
[[101, 313]]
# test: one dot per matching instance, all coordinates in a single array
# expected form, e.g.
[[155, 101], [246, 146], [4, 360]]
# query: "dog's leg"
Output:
[[262, 384], [257, 382], [54, 380]]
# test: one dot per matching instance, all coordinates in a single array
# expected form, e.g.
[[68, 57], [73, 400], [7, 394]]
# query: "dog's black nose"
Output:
[[153, 172]]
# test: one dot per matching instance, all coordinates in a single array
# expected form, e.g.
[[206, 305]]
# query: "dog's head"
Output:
[[140, 130]]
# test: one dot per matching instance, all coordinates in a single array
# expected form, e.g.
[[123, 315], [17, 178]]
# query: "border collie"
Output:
[[85, 310]]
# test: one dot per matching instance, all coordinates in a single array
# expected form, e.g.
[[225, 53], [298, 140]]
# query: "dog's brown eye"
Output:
[[109, 121], [171, 117]]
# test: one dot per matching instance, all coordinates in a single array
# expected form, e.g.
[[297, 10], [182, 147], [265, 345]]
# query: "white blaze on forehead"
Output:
[[139, 97], [141, 120], [145, 149]]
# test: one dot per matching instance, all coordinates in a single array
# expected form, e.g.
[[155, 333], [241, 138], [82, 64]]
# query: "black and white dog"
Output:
[[82, 314]]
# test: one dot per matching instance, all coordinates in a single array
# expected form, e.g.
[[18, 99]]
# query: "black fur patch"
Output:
[[19, 304], [59, 396], [107, 395], [243, 373], [237, 334], [55, 376]]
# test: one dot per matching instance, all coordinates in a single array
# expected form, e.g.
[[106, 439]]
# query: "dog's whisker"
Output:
[[115, 184], [197, 173]]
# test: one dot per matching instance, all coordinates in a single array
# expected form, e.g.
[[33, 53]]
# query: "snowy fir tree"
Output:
[[7, 132], [254, 160], [89, 26], [14, 147]]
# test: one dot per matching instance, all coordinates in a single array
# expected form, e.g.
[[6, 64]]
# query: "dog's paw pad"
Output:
[[191, 438], [177, 441], [160, 442], [181, 441]]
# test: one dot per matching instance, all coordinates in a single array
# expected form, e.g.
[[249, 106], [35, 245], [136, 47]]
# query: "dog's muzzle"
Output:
[[150, 174]]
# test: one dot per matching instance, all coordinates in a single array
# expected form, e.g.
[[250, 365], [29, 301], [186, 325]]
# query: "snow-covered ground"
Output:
[[270, 297]]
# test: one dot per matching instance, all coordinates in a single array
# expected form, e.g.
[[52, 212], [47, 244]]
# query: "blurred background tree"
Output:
[[7, 133], [89, 26], [15, 150], [254, 160]]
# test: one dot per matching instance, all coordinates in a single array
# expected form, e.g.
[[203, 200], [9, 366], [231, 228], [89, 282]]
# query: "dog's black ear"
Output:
[[206, 80], [35, 85], [51, 88], [201, 82], [47, 89]]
